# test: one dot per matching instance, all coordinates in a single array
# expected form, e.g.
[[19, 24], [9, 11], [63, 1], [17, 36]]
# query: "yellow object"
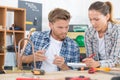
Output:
[[82, 50], [38, 72], [29, 22], [73, 35], [106, 69], [32, 29]]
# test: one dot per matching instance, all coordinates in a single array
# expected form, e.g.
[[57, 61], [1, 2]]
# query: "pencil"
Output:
[[92, 55]]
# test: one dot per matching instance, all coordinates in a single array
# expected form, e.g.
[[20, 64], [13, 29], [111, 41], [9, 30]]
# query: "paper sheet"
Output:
[[76, 65]]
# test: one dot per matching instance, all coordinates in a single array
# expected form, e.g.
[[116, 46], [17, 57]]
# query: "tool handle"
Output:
[[92, 55]]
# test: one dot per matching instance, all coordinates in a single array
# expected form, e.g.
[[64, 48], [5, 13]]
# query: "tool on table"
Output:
[[24, 46], [103, 69], [107, 69], [20, 53], [83, 68], [38, 72], [93, 70], [35, 71]]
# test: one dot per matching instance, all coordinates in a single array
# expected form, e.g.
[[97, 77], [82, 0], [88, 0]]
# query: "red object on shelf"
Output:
[[27, 79]]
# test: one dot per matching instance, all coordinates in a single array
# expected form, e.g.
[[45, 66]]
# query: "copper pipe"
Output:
[[21, 52], [30, 33]]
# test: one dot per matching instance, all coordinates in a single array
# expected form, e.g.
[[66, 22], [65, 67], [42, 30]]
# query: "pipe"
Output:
[[21, 52]]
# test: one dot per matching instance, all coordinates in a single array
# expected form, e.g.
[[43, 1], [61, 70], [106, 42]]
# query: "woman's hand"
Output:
[[90, 62]]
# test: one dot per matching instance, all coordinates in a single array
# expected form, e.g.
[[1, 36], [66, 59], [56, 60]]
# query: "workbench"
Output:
[[60, 75]]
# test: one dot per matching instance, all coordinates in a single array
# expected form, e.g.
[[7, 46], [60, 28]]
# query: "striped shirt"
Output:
[[69, 50], [112, 45]]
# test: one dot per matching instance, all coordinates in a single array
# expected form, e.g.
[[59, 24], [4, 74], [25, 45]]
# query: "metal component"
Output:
[[21, 52], [30, 33]]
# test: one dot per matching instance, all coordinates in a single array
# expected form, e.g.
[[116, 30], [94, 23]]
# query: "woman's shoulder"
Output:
[[115, 27], [90, 31], [118, 26]]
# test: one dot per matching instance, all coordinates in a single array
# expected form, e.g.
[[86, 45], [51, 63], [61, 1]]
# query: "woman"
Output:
[[103, 39]]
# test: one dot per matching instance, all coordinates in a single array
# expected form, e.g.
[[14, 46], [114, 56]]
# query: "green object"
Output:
[[80, 40], [80, 28]]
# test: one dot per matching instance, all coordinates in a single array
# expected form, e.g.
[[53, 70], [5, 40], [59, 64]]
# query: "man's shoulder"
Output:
[[41, 33], [71, 41]]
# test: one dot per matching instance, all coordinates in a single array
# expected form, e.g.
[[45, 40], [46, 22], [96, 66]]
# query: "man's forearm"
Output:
[[27, 59]]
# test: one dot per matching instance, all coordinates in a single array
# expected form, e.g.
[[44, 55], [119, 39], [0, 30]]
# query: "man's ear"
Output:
[[108, 16], [50, 25]]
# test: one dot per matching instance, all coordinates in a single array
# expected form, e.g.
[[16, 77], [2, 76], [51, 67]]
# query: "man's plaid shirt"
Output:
[[69, 50]]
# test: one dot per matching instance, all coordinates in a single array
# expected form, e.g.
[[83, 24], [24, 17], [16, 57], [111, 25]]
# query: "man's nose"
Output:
[[65, 30], [92, 22]]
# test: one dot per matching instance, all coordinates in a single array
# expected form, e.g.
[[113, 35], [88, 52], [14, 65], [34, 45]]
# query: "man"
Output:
[[53, 50]]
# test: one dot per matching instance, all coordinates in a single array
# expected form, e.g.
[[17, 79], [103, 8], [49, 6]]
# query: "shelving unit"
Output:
[[19, 20]]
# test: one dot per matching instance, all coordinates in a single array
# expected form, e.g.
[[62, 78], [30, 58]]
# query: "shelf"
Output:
[[2, 54], [17, 17], [11, 31], [1, 30], [11, 8]]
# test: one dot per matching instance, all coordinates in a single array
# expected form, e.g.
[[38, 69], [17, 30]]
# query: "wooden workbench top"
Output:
[[60, 75]]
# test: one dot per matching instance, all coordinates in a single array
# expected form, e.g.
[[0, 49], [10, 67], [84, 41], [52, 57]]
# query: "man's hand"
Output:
[[40, 55], [59, 61]]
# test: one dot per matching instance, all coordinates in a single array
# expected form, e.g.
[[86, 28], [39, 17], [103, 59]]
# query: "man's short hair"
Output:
[[58, 14]]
